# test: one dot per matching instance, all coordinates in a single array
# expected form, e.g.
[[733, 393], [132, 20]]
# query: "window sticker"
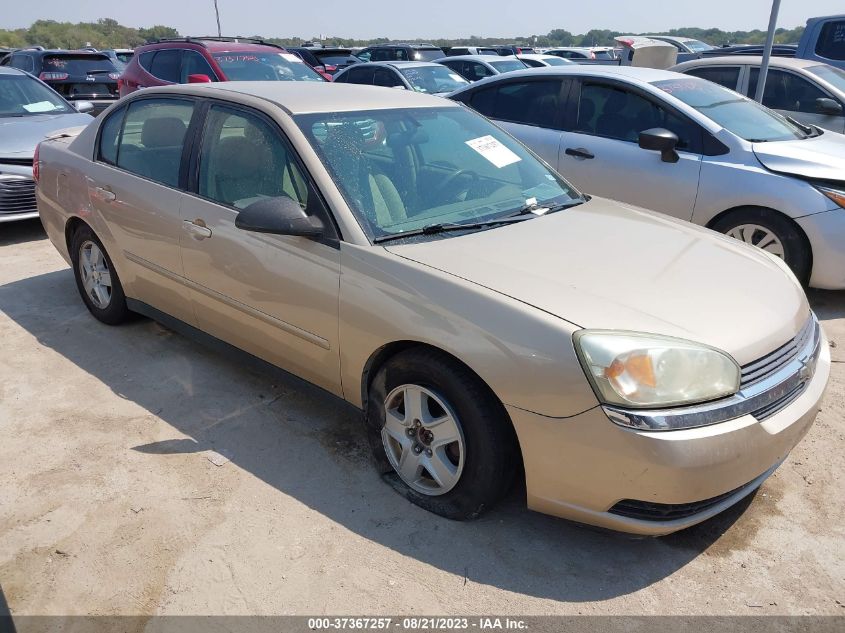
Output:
[[40, 106], [494, 151]]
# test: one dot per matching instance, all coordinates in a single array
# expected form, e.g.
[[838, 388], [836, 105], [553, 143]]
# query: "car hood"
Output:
[[604, 265], [820, 158], [20, 135]]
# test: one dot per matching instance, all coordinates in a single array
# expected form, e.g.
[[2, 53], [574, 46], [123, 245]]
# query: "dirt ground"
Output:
[[112, 503]]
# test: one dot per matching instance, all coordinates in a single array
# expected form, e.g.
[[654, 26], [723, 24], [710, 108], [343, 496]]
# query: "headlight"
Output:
[[649, 371], [837, 195]]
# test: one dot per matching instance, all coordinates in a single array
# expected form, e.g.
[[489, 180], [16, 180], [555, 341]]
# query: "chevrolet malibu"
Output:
[[490, 320]]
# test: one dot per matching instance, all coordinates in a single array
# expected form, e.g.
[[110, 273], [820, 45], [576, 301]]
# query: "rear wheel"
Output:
[[96, 278], [772, 232], [440, 434]]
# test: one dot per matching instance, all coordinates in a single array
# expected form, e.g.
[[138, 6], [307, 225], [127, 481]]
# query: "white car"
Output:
[[475, 67], [807, 90], [686, 147], [536, 60]]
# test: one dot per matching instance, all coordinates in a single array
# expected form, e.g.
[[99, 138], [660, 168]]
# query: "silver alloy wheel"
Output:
[[423, 439], [758, 236], [95, 274]]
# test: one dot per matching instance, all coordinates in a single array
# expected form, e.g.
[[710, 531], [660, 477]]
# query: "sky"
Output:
[[424, 18]]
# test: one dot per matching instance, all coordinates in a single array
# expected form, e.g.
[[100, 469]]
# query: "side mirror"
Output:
[[828, 107], [280, 216], [84, 106], [199, 79], [663, 141]]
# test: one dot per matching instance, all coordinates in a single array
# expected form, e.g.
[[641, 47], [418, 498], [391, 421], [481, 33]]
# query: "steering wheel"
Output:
[[453, 178]]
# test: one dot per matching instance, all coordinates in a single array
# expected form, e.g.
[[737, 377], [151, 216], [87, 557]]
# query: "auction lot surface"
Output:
[[111, 501]]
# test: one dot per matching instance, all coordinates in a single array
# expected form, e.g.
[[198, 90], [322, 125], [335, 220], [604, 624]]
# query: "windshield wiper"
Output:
[[804, 128], [534, 207], [434, 229]]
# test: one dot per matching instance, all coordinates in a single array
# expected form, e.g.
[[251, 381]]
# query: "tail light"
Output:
[[52, 76], [36, 167], [331, 69], [320, 69], [114, 76], [119, 84], [592, 55]]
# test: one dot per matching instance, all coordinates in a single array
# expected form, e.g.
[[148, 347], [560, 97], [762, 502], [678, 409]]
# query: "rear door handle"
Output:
[[580, 152], [197, 228], [105, 194]]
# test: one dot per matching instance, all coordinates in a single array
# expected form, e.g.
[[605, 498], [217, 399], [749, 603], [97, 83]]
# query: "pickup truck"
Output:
[[824, 40]]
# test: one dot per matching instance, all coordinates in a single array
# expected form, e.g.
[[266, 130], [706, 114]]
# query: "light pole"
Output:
[[217, 13], [767, 52]]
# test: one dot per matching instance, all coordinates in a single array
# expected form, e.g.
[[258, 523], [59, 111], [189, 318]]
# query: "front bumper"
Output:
[[826, 232], [579, 468]]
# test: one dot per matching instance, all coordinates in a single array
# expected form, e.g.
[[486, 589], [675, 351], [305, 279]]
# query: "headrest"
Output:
[[163, 132]]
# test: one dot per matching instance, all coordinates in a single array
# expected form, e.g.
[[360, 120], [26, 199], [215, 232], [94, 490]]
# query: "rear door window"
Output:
[[152, 138], [785, 91], [530, 103], [831, 42], [24, 62], [166, 65], [727, 76]]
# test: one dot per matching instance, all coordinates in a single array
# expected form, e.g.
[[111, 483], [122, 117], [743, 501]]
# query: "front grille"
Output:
[[17, 195], [769, 364], [26, 162], [650, 511]]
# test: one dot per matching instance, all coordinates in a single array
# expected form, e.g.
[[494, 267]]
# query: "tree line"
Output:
[[107, 33]]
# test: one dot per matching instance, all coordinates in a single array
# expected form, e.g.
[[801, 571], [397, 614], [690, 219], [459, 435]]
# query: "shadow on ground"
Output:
[[21, 232], [308, 445]]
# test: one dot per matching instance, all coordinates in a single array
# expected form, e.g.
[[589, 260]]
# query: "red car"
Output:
[[206, 59]]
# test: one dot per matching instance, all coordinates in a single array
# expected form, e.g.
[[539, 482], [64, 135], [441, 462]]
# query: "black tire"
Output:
[[491, 456], [116, 311], [796, 247]]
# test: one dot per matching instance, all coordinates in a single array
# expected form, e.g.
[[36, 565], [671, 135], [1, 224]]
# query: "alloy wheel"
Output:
[[95, 274]]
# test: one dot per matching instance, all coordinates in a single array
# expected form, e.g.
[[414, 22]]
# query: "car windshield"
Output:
[[737, 114], [603, 54], [251, 66], [21, 95], [433, 79], [834, 76], [507, 65], [697, 46], [78, 65], [427, 54], [337, 59], [551, 60], [401, 170]]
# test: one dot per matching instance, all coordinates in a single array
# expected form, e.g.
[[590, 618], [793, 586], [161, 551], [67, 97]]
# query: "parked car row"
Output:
[[489, 319]]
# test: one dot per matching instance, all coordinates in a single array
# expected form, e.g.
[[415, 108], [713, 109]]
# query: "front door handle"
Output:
[[197, 228], [105, 194], [580, 152]]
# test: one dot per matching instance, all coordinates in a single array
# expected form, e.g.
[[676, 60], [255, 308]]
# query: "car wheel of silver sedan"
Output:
[[96, 278], [773, 232], [439, 434]]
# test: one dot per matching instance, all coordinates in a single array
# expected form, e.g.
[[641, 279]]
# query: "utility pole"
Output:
[[217, 13], [767, 52]]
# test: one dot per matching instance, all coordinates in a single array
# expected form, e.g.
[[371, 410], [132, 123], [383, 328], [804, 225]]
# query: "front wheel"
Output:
[[772, 232], [441, 434]]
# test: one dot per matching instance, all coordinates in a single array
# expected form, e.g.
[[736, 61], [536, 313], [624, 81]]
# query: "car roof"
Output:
[[631, 73], [11, 70], [751, 60], [213, 46], [403, 45], [305, 97], [536, 56], [397, 63]]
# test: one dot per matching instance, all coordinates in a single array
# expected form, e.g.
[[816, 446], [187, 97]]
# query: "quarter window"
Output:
[[24, 62], [244, 159], [785, 91], [110, 136], [166, 63], [727, 76], [831, 42], [619, 114], [152, 139]]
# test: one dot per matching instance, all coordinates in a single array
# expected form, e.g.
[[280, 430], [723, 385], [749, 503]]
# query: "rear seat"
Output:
[[160, 152]]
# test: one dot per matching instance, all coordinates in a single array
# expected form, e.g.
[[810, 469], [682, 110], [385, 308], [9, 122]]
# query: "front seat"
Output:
[[374, 193]]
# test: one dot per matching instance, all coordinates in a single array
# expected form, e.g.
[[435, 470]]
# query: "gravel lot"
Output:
[[111, 502]]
